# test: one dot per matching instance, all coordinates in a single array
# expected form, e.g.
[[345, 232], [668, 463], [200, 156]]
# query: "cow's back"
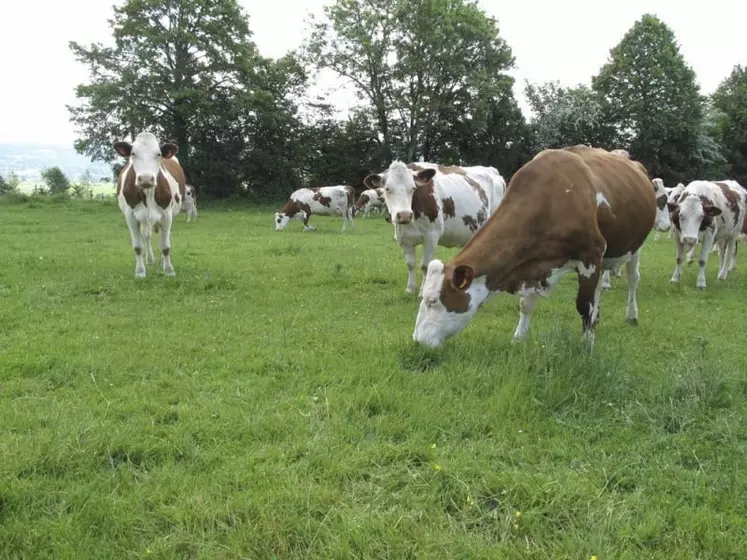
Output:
[[626, 202]]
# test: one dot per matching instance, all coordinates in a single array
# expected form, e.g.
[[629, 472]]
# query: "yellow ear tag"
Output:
[[463, 284]]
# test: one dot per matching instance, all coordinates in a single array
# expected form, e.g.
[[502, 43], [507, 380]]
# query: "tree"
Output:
[[13, 181], [55, 180], [4, 186], [188, 71], [423, 66], [730, 101], [654, 99], [569, 116]]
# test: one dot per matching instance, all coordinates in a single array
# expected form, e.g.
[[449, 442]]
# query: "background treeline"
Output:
[[432, 80]]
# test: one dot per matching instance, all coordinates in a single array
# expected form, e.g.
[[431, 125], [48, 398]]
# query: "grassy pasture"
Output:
[[268, 402]]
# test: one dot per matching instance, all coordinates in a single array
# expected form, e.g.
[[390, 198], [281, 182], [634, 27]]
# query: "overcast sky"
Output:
[[566, 41]]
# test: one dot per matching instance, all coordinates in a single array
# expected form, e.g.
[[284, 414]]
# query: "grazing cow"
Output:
[[190, 203], [370, 200], [150, 191], [336, 200], [435, 205], [715, 209], [576, 209]]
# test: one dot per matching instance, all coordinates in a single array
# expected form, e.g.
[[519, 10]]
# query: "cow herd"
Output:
[[576, 210]]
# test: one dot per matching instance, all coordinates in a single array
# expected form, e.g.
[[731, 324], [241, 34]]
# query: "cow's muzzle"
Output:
[[404, 217]]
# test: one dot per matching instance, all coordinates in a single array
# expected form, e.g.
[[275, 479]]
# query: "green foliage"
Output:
[[730, 100], [55, 180], [188, 71], [425, 106], [654, 100], [13, 181], [569, 116], [291, 416], [5, 187]]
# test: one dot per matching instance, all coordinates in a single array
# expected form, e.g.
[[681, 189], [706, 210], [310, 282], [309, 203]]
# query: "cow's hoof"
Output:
[[674, 281], [606, 287], [701, 286], [169, 272], [633, 321], [140, 274]]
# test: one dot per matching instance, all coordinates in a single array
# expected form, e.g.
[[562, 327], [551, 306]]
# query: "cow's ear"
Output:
[[425, 176], [124, 149], [462, 276], [373, 181], [712, 210], [169, 149]]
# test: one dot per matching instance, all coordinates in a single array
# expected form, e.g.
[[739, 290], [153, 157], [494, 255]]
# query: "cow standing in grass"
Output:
[[432, 205], [578, 209], [715, 210], [370, 200], [338, 200], [150, 192]]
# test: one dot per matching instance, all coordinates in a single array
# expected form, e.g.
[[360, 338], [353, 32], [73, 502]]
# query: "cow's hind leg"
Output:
[[606, 280], [168, 268], [634, 276], [429, 250], [137, 244]]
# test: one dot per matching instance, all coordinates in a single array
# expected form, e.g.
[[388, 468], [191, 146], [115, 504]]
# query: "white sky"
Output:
[[566, 41]]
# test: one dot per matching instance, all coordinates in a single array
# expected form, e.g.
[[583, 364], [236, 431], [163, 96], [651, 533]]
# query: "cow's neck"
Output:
[[513, 255]]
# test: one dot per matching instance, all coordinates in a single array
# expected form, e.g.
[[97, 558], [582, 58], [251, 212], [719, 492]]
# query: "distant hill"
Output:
[[27, 161]]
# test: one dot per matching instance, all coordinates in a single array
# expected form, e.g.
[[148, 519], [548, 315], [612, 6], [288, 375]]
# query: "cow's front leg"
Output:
[[634, 275], [168, 268], [137, 244], [429, 251], [705, 250], [526, 308], [680, 258], [587, 302], [351, 218], [691, 255], [409, 251]]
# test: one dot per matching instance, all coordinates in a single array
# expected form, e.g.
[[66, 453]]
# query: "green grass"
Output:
[[268, 402]]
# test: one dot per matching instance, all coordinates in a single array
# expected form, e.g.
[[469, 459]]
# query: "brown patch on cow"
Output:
[[550, 216], [133, 195], [166, 251], [175, 168], [176, 198], [163, 191], [661, 202], [321, 199], [471, 223], [424, 202], [451, 169], [362, 200], [732, 199], [292, 207], [449, 210], [415, 167]]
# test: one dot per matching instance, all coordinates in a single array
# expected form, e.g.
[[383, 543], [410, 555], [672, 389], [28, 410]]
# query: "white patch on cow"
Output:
[[661, 221], [434, 324], [586, 271], [601, 199]]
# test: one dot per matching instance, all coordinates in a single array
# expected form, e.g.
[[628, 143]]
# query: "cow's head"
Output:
[[690, 215], [451, 297], [661, 222], [282, 219], [399, 183], [145, 155]]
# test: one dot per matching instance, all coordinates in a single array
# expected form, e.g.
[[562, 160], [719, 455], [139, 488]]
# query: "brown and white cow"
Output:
[[337, 200], [370, 200], [190, 203], [576, 209], [432, 205], [150, 192], [715, 210]]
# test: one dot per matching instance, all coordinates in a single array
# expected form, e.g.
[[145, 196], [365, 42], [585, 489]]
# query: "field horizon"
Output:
[[268, 402]]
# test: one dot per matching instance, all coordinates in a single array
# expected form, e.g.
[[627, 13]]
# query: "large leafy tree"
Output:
[[56, 181], [567, 116], [730, 102], [425, 67], [188, 71], [655, 100]]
